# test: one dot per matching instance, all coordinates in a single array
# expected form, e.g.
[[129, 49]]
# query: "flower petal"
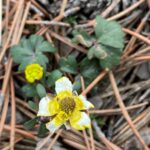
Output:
[[59, 120], [43, 107], [82, 103], [63, 84], [85, 102], [52, 126], [80, 120], [53, 107]]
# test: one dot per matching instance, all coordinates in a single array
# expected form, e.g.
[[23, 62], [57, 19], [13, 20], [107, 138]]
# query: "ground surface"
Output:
[[131, 78]]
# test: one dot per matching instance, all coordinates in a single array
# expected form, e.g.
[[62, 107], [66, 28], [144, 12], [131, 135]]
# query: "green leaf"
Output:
[[52, 77], [70, 19], [41, 59], [82, 37], [110, 61], [46, 47], [77, 84], [18, 53], [89, 71], [42, 130], [35, 41], [26, 45], [30, 124], [24, 63], [29, 90], [107, 55], [33, 105], [109, 33], [69, 64], [41, 90], [32, 51], [97, 51]]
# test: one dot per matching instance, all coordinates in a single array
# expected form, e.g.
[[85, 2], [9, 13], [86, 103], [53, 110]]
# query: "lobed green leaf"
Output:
[[109, 33], [52, 77], [69, 64]]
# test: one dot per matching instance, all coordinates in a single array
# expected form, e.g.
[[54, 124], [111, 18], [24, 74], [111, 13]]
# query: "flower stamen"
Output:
[[67, 104]]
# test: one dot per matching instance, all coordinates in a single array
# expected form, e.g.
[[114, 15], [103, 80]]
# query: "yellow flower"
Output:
[[33, 72], [65, 108]]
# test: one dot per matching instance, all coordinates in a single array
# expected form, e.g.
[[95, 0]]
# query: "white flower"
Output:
[[65, 107]]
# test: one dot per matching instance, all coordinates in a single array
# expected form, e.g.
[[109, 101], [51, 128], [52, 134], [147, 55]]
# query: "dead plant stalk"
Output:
[[124, 111]]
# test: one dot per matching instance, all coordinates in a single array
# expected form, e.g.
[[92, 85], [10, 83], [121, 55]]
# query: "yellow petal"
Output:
[[79, 103], [52, 126], [63, 84], [85, 102], [53, 107], [80, 120], [33, 72], [82, 103], [59, 120], [63, 94]]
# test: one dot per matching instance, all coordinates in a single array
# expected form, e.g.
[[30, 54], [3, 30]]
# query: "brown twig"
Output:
[[137, 35], [141, 51], [4, 112], [17, 139], [74, 144], [21, 132], [124, 111], [7, 12], [36, 4], [102, 137], [20, 4], [54, 139], [116, 111], [23, 21], [24, 104], [53, 23], [26, 112], [126, 126], [13, 115], [90, 130], [130, 44], [57, 56], [62, 10], [126, 11], [58, 18], [67, 41], [141, 121], [142, 57], [12, 11], [45, 140], [78, 137], [96, 80], [110, 8], [117, 16], [6, 79]]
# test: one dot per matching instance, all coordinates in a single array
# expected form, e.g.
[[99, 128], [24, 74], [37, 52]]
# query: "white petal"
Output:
[[52, 127], [85, 120], [85, 102], [82, 123], [63, 84], [67, 126], [43, 107]]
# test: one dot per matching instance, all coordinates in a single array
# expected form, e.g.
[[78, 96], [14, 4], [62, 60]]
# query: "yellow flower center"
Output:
[[67, 105], [33, 72]]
